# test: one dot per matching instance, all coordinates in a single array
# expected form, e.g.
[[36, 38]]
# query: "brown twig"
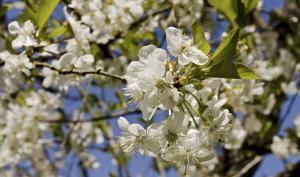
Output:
[[79, 72], [94, 119]]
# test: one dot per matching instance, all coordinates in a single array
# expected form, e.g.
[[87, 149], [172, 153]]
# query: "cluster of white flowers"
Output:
[[13, 71], [25, 34], [185, 12], [103, 20], [21, 128], [75, 59], [196, 118], [83, 135], [235, 139], [283, 147]]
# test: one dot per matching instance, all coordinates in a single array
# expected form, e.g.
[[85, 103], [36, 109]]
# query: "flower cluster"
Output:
[[21, 130], [197, 119], [105, 19], [102, 21]]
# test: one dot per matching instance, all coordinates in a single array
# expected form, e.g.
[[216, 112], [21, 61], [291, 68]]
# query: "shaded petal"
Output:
[[159, 54], [28, 27], [67, 60], [196, 56], [136, 130], [14, 28], [174, 40], [123, 123], [145, 51], [18, 42], [183, 60]]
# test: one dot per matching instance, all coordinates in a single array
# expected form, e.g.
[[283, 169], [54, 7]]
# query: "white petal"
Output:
[[159, 54], [145, 51], [123, 123], [134, 69], [28, 27], [14, 28], [53, 48], [220, 103], [175, 123], [18, 42], [169, 98], [84, 61], [67, 60], [183, 60], [174, 40], [136, 130], [196, 56], [29, 41], [204, 155]]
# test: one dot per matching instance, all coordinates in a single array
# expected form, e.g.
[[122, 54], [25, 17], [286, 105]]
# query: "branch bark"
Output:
[[94, 119], [79, 72]]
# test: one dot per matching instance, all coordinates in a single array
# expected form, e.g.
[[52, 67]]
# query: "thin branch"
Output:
[[78, 72], [248, 166], [95, 119]]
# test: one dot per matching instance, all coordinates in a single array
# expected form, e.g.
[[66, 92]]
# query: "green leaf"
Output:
[[225, 53], [57, 31], [249, 5], [226, 50], [232, 70], [237, 11], [44, 10], [199, 37], [227, 7]]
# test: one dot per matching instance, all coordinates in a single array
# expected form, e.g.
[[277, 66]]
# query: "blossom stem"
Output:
[[187, 107], [150, 117], [201, 105]]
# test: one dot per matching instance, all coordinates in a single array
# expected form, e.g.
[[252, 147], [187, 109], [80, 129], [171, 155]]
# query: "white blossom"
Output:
[[15, 64], [148, 80], [135, 138], [283, 147], [236, 137], [25, 34], [182, 46]]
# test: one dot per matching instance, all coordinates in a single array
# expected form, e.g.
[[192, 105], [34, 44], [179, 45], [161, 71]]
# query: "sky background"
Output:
[[139, 165]]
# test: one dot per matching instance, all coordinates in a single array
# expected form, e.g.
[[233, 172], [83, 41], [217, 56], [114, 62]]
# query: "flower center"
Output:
[[171, 138], [161, 85]]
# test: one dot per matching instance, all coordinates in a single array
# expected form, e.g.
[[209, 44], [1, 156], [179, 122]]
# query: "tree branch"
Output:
[[251, 164], [94, 119], [79, 72]]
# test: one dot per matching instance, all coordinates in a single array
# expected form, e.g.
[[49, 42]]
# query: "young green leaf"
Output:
[[44, 10], [232, 70], [199, 37], [227, 7], [226, 50], [237, 11], [249, 5], [57, 31]]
